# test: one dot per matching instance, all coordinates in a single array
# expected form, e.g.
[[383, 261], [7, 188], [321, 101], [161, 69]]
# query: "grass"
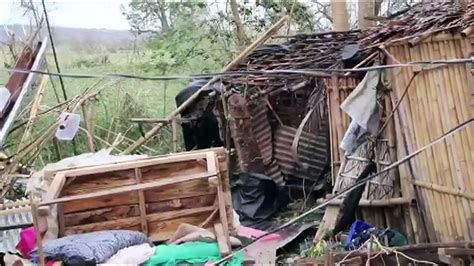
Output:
[[117, 103]]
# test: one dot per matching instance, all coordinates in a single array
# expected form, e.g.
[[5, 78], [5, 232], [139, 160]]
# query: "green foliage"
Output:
[[300, 13]]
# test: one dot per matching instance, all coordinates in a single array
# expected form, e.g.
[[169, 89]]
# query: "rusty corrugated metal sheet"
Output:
[[262, 132], [312, 153]]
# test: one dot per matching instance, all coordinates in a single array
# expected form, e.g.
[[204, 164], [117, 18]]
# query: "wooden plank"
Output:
[[50, 174], [141, 202], [97, 182], [125, 211], [55, 188], [222, 239], [163, 182], [158, 171], [212, 164], [156, 222], [174, 196], [134, 164]]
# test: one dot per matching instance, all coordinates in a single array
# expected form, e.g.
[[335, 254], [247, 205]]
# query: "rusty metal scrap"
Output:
[[263, 135], [312, 153]]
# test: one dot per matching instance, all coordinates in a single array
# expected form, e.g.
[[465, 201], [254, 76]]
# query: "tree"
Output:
[[367, 9], [238, 24], [158, 16], [339, 15]]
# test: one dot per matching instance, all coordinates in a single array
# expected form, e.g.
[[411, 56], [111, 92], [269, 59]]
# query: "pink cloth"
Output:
[[28, 243]]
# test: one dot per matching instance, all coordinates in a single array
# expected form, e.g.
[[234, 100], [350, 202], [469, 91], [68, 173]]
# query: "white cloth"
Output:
[[361, 106], [133, 255]]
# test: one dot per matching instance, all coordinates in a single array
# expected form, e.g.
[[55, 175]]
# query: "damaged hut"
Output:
[[279, 122], [368, 99], [429, 102]]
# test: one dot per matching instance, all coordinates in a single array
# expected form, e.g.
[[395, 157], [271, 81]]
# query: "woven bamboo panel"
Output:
[[437, 100]]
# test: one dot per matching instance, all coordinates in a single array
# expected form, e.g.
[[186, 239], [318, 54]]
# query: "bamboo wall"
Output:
[[438, 99], [338, 88]]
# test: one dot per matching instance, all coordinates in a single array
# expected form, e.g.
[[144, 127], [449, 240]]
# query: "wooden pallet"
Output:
[[153, 195]]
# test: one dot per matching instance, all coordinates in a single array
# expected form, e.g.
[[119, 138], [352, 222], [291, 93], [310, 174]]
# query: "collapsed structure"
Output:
[[345, 105]]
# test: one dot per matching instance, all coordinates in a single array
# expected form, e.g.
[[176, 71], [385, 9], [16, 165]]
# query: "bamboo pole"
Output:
[[404, 140], [424, 127], [412, 114], [446, 190], [455, 178], [268, 34], [460, 147], [442, 160], [34, 110], [391, 202], [462, 91]]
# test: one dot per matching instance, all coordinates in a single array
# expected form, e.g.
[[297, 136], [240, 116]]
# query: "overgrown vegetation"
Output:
[[170, 38]]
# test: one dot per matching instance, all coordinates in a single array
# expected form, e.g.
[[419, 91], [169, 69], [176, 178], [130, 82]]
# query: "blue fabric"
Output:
[[90, 248]]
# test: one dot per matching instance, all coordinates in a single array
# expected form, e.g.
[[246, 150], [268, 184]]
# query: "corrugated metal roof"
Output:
[[10, 238]]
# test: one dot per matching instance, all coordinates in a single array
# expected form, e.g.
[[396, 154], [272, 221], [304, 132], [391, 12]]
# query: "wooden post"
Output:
[[39, 240], [89, 132], [57, 149], [175, 134], [141, 202], [269, 33]]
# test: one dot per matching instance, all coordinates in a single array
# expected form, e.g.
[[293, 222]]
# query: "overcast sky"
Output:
[[72, 13]]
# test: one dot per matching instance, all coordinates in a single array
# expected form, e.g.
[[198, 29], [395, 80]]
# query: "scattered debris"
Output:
[[338, 126]]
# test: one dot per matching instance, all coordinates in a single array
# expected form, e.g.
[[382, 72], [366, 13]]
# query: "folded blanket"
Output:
[[90, 248]]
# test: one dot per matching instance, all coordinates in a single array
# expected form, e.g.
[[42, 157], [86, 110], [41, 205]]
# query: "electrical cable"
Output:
[[321, 72]]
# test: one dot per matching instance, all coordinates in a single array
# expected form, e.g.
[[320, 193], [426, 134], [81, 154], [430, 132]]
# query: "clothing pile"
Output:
[[190, 244]]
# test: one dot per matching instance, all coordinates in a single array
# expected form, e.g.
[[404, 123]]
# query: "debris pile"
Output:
[[324, 114]]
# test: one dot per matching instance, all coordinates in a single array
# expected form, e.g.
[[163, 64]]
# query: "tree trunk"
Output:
[[238, 24], [366, 8], [339, 15], [162, 15]]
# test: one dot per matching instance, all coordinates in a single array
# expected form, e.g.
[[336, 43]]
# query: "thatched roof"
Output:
[[421, 21]]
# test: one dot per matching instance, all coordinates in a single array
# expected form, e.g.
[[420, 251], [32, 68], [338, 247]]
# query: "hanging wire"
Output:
[[320, 72]]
